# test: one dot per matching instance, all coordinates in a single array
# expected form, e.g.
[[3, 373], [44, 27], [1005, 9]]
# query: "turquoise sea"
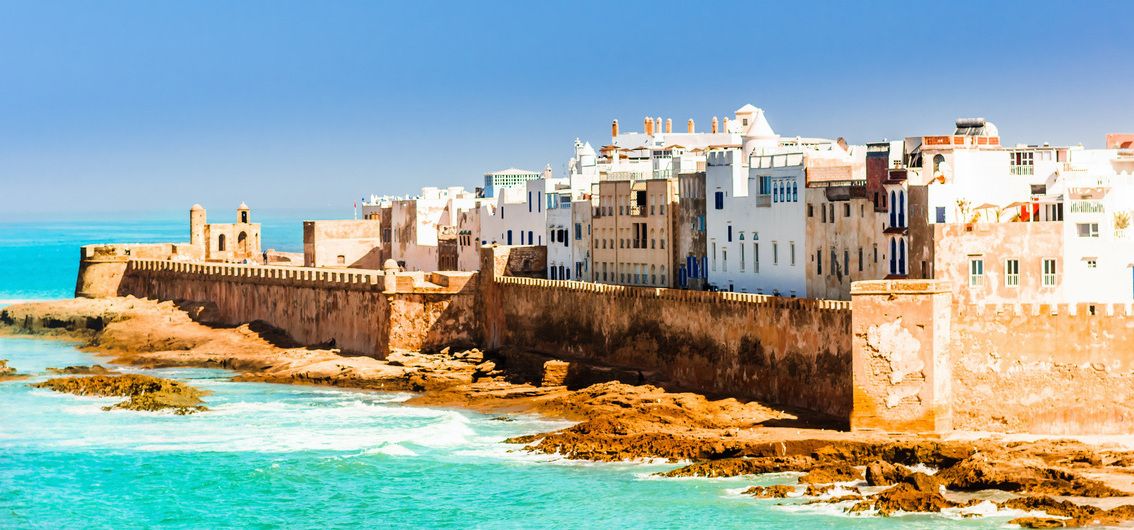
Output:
[[274, 456]]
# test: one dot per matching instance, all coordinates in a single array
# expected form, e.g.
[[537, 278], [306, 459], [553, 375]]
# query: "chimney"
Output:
[[614, 129], [649, 124], [726, 124], [668, 125], [715, 125], [657, 124], [690, 125]]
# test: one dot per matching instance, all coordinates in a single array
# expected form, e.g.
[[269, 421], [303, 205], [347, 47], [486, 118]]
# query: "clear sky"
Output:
[[147, 105]]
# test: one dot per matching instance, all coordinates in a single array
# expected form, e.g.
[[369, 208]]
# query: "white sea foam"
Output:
[[391, 450]]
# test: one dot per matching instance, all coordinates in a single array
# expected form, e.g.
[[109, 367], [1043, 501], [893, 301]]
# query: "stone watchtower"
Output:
[[243, 215], [197, 230]]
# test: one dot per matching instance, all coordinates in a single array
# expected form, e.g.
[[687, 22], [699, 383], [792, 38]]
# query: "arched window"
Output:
[[893, 256], [794, 192], [893, 209], [531, 240], [242, 243], [220, 242], [902, 257], [509, 238], [937, 161], [901, 208]]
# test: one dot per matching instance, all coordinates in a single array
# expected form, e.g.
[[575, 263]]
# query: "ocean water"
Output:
[[273, 456]]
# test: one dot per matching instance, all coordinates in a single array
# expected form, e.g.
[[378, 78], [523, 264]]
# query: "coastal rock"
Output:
[[903, 497], [7, 373], [882, 473], [732, 467], [1039, 522], [93, 369], [146, 393], [979, 472], [831, 473], [779, 491]]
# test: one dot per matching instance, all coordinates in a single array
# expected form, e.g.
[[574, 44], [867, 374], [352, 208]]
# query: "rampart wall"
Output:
[[908, 358], [787, 351], [352, 309], [1056, 369]]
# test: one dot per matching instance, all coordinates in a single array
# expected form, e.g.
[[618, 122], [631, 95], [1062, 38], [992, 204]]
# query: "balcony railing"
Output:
[[1023, 170]]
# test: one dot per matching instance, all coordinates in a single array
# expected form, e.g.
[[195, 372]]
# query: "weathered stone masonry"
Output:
[[791, 352], [354, 309], [901, 356]]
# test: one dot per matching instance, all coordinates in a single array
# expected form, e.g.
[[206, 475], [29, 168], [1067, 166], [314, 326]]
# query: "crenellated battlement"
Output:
[[309, 276], [681, 295], [1093, 310]]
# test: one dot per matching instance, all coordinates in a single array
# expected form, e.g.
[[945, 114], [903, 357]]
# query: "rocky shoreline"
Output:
[[1059, 483]]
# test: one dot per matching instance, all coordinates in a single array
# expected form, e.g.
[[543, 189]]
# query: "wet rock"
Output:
[[979, 472], [904, 497], [831, 473], [732, 467], [93, 369], [145, 392], [779, 491], [7, 373], [836, 500], [922, 482], [1038, 522], [882, 473], [814, 490]]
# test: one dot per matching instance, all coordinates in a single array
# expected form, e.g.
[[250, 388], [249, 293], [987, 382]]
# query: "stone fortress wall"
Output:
[[902, 356], [358, 311]]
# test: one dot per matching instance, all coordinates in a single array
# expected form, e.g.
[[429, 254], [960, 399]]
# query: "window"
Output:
[[220, 243], [742, 257], [510, 236], [859, 259], [1012, 273], [976, 272], [719, 197], [578, 231], [846, 261], [1088, 229], [823, 212], [791, 253], [724, 260], [730, 233], [810, 210], [940, 214], [1048, 272], [846, 209], [818, 262], [714, 255], [1092, 263], [775, 253], [876, 253], [755, 258]]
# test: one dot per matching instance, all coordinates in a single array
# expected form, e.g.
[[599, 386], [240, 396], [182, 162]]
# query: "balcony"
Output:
[[1022, 170], [638, 211]]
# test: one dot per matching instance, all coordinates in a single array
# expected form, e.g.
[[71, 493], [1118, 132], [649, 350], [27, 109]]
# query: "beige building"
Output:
[[632, 230], [237, 241], [843, 232], [342, 243]]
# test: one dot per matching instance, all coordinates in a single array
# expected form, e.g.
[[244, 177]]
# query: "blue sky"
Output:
[[130, 106]]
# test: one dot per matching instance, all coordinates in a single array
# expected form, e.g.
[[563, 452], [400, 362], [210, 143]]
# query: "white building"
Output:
[[569, 217], [519, 215], [418, 228]]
